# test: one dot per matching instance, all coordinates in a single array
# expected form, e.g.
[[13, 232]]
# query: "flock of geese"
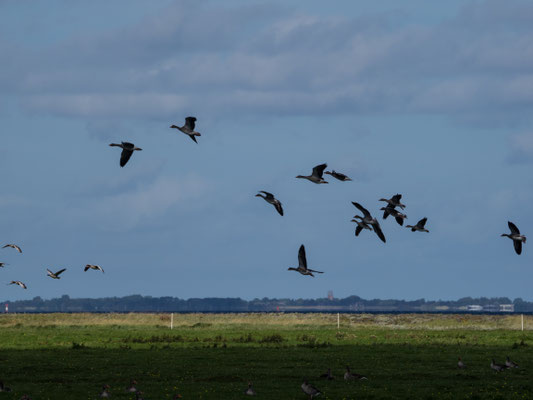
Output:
[[364, 222]]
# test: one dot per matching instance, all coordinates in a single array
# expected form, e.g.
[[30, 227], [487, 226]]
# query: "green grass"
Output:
[[63, 356]]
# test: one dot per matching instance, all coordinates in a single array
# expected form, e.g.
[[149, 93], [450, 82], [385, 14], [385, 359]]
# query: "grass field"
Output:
[[210, 356]]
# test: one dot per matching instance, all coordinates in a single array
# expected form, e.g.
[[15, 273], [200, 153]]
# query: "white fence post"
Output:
[[338, 321], [171, 321], [522, 322]]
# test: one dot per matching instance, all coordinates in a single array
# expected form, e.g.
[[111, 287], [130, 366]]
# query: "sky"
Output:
[[428, 99]]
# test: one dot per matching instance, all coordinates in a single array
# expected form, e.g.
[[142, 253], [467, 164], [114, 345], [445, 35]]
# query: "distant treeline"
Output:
[[138, 303]]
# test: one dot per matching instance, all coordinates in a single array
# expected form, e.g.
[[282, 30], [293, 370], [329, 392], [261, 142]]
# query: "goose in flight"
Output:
[[369, 220], [516, 237], [360, 225], [3, 264], [95, 267], [127, 150], [316, 175], [310, 389], [250, 390], [302, 264], [394, 201], [398, 216], [419, 226], [269, 198], [13, 246], [188, 128], [338, 175], [22, 285], [55, 275]]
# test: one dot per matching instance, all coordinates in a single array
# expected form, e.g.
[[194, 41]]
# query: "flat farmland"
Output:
[[214, 356]]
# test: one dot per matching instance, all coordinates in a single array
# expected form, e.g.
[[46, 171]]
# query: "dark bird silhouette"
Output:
[[419, 226], [302, 264], [352, 376], [328, 375], [360, 225], [105, 392], [497, 367], [338, 175], [310, 389], [22, 285], [516, 237], [461, 364], [55, 275], [127, 150], [398, 216], [250, 390], [13, 246], [269, 198], [91, 266], [4, 388], [188, 128], [316, 175], [369, 220], [394, 201], [3, 264], [510, 364]]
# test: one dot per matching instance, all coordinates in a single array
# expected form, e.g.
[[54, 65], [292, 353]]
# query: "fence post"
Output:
[[338, 321], [522, 322], [171, 321]]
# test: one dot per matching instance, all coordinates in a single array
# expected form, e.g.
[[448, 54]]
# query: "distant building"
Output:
[[475, 307], [506, 307]]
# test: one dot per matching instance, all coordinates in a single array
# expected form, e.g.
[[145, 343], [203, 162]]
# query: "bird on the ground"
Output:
[[188, 128], [350, 376], [13, 246], [105, 392], [394, 201], [360, 225], [302, 264], [95, 267], [55, 275], [510, 364], [328, 375], [461, 364], [316, 175], [419, 226], [250, 390], [516, 237], [22, 285], [269, 198], [132, 388], [338, 175], [4, 388], [3, 264], [398, 216], [310, 389], [369, 220], [127, 150], [497, 367]]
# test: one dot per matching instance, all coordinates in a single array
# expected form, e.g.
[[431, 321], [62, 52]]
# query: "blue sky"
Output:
[[428, 100]]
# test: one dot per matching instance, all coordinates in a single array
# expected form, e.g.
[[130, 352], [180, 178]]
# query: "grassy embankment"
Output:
[[207, 356]]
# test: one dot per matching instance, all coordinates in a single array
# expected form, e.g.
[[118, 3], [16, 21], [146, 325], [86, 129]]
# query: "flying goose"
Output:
[[13, 246], [316, 175], [497, 367], [310, 389], [269, 198], [56, 274], [91, 266], [188, 128], [127, 150], [328, 375], [4, 388], [302, 264], [398, 216], [105, 392], [250, 390], [22, 285], [3, 264], [349, 376], [360, 225], [461, 364], [394, 201], [338, 175], [369, 220], [419, 226], [132, 388], [516, 237], [510, 364]]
